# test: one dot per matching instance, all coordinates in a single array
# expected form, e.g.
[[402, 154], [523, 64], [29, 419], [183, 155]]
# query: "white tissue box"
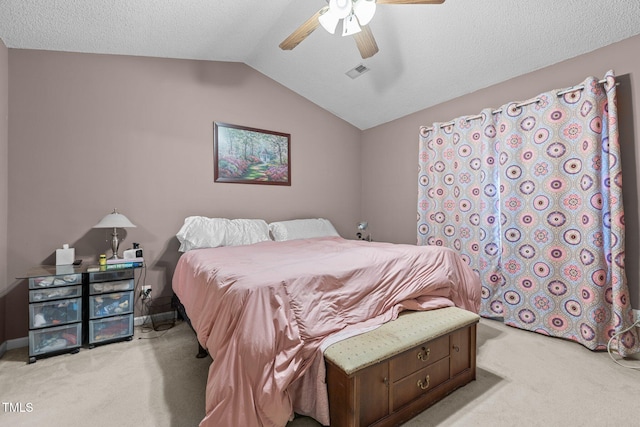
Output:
[[65, 256]]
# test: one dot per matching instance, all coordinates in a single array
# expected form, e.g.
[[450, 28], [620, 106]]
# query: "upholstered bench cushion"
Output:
[[407, 331]]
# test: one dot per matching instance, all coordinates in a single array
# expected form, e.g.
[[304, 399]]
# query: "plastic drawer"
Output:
[[49, 281], [55, 339], [53, 313], [111, 328], [110, 304], [107, 276], [119, 286], [37, 295]]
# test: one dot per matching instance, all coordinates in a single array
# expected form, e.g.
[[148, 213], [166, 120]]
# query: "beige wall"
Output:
[[390, 151], [4, 179], [90, 133]]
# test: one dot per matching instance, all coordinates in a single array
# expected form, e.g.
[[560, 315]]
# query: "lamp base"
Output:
[[115, 243]]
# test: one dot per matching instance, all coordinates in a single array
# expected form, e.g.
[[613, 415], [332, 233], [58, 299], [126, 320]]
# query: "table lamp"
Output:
[[114, 220], [362, 227]]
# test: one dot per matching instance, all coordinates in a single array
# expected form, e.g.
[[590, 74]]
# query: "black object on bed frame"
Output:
[[182, 314]]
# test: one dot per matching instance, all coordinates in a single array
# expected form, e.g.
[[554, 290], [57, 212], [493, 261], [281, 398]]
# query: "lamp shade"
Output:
[[114, 220], [364, 10], [329, 21], [350, 25]]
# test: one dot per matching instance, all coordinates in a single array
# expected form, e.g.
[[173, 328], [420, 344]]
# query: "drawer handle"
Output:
[[456, 348], [424, 385], [424, 354]]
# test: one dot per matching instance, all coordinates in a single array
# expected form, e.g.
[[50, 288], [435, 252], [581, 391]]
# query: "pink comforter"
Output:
[[263, 310]]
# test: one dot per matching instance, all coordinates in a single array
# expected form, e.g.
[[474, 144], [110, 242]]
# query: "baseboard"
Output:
[[160, 317], [12, 344], [141, 320], [18, 343]]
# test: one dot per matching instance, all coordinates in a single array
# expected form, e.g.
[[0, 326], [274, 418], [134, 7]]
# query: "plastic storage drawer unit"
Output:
[[110, 302], [117, 286], [48, 281], [104, 305], [38, 295], [110, 275], [53, 313], [110, 328], [42, 341], [56, 310]]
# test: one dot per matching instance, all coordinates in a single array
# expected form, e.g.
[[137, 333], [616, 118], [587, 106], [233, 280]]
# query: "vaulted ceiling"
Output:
[[428, 53]]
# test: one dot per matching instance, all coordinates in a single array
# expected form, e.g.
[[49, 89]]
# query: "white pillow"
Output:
[[199, 232], [246, 232], [302, 229]]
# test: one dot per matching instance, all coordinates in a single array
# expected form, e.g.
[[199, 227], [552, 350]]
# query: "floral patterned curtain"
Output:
[[459, 199], [531, 196]]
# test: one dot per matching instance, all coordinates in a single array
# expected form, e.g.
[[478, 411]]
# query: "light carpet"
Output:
[[523, 379]]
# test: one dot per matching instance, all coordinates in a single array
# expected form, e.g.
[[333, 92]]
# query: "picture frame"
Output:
[[248, 155]]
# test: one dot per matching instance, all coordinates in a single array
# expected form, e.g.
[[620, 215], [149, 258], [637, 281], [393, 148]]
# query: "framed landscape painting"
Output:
[[251, 156]]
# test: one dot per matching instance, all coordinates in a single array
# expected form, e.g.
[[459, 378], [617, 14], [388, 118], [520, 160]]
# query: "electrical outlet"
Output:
[[636, 316], [145, 292]]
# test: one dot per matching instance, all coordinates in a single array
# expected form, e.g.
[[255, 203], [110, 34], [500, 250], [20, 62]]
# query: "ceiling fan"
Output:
[[355, 14]]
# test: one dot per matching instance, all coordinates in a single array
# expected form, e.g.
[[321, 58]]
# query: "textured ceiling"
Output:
[[428, 53]]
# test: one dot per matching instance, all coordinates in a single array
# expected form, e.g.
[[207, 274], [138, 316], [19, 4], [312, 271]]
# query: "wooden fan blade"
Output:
[[366, 42], [409, 1], [302, 32]]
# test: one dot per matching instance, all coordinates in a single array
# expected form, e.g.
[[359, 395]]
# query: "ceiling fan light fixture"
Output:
[[329, 21], [350, 25], [340, 8], [364, 10]]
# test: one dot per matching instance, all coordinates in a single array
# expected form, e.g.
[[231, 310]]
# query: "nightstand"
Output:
[[55, 310], [110, 300]]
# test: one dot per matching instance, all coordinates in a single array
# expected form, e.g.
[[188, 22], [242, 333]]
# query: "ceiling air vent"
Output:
[[357, 71]]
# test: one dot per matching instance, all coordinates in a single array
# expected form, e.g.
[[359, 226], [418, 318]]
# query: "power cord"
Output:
[[145, 328], [147, 325], [616, 336], [146, 301], [143, 277]]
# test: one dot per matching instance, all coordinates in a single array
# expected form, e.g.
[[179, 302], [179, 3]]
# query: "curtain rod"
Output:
[[522, 104]]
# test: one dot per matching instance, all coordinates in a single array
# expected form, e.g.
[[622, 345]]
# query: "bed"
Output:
[[265, 308]]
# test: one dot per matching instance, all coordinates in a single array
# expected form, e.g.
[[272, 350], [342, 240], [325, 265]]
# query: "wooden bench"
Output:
[[388, 375]]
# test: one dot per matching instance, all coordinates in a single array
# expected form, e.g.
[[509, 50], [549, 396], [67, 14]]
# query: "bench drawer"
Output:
[[419, 357], [411, 387]]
